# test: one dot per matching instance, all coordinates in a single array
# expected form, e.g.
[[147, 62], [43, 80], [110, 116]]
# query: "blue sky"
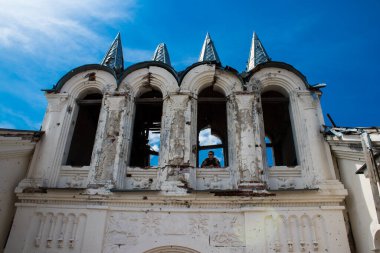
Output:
[[335, 42]]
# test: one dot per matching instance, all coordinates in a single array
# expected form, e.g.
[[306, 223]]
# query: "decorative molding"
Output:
[[213, 178], [73, 177], [295, 233], [170, 249], [228, 231], [328, 196], [11, 147], [284, 171], [199, 225], [58, 230]]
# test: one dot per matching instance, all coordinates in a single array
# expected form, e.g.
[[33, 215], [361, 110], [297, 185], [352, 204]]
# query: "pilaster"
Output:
[[106, 143], [248, 169]]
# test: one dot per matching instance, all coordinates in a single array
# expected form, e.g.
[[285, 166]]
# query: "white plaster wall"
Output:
[[217, 229], [114, 223], [14, 160], [314, 164], [360, 204], [59, 229], [58, 125]]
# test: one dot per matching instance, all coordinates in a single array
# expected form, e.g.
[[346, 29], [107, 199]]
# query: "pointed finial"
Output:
[[161, 54], [208, 52], [114, 57], [257, 53]]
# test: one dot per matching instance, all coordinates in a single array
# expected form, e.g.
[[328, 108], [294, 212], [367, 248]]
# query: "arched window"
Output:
[[83, 137], [212, 126], [147, 130], [278, 128]]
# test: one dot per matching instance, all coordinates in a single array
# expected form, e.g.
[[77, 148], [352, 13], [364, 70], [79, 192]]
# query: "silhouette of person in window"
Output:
[[210, 161]]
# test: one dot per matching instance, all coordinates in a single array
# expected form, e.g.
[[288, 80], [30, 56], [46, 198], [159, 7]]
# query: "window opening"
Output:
[[269, 151], [278, 126], [147, 130], [212, 126], [209, 142], [83, 138]]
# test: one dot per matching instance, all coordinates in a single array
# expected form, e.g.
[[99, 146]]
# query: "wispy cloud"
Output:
[[31, 95], [9, 113], [137, 55], [185, 62], [4, 124], [41, 27], [40, 40]]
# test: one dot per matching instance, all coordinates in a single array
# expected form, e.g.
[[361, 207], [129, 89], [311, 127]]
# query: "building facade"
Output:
[[96, 182]]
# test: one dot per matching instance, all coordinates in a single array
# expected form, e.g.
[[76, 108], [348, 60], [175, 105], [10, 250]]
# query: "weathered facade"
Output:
[[16, 150], [90, 186], [351, 148]]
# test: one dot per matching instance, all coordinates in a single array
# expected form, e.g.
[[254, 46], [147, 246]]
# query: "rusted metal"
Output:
[[331, 120], [243, 193], [34, 136]]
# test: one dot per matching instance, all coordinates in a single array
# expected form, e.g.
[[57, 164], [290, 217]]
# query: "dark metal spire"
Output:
[[161, 54], [114, 57], [257, 54], [208, 52]]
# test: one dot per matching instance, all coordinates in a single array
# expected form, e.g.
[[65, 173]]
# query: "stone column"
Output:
[[107, 142], [259, 135], [174, 170], [245, 132], [124, 142]]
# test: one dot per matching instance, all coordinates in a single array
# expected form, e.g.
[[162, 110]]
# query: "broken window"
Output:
[[83, 138], [212, 126], [278, 128], [209, 142], [147, 130], [269, 151]]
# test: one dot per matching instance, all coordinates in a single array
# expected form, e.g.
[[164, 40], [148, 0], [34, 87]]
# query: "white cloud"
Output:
[[206, 138], [155, 148], [40, 27], [154, 139]]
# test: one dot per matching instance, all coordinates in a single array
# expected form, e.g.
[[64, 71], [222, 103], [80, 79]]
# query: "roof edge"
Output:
[[57, 87], [276, 64], [183, 73], [146, 64]]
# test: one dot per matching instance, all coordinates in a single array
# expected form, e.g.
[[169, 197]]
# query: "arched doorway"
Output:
[[171, 249]]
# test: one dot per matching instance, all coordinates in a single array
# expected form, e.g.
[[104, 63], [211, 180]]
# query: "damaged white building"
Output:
[[93, 180]]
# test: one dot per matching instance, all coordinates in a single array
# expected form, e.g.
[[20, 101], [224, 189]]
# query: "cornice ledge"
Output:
[[324, 197]]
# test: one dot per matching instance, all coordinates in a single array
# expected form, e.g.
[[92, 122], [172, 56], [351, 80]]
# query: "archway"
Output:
[[171, 249]]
